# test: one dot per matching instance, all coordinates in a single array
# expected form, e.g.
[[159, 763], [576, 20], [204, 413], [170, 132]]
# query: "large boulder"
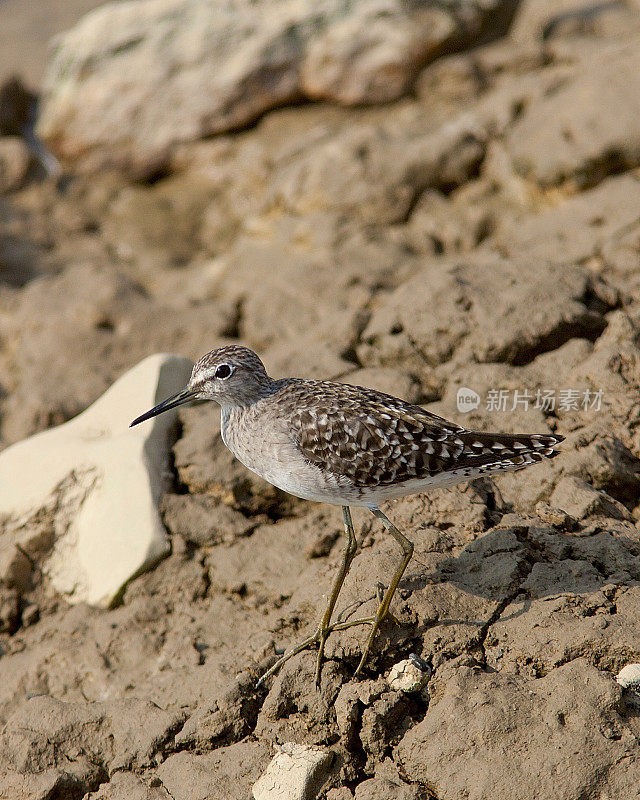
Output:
[[132, 79]]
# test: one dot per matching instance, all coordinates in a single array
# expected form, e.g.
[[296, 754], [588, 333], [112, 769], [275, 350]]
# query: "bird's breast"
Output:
[[261, 444], [268, 448]]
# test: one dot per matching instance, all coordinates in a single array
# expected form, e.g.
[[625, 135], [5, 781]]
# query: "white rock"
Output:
[[629, 679], [100, 481], [410, 675], [374, 53], [295, 773]]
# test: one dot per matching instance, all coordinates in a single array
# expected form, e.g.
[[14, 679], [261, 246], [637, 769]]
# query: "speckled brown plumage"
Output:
[[344, 445], [374, 439]]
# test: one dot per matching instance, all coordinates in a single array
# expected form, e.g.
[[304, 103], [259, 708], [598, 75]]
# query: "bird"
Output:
[[344, 445]]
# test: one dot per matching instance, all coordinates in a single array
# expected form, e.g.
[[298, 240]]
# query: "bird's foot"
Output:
[[320, 637]]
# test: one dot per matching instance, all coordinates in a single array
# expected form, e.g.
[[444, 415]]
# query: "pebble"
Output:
[[629, 679], [295, 773], [410, 675]]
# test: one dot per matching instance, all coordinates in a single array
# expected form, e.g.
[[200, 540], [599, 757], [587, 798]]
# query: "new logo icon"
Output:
[[467, 400]]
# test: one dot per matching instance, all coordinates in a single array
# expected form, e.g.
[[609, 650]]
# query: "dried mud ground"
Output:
[[484, 233]]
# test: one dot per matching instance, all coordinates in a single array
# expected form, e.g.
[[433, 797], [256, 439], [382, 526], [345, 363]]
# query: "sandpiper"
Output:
[[348, 446]]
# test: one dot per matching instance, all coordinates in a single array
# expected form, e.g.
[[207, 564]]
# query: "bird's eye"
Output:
[[223, 371]]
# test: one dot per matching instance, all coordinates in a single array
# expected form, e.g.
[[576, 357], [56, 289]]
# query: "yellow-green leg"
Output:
[[324, 626], [324, 629], [383, 607]]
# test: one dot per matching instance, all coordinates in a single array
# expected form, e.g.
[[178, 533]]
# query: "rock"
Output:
[[99, 483], [586, 129], [14, 162], [247, 61], [94, 739], [219, 67], [227, 772], [374, 54], [297, 772], [459, 300], [569, 719], [410, 675], [580, 500], [629, 679]]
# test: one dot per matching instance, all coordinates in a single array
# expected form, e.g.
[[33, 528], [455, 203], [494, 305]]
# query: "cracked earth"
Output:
[[480, 232]]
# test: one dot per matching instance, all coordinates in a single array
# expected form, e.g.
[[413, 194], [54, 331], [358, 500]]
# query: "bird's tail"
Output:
[[506, 450]]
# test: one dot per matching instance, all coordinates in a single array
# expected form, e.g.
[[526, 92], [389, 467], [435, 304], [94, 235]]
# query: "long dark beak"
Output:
[[171, 402]]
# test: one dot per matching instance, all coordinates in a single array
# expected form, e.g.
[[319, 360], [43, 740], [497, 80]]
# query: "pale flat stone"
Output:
[[100, 482], [295, 773]]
